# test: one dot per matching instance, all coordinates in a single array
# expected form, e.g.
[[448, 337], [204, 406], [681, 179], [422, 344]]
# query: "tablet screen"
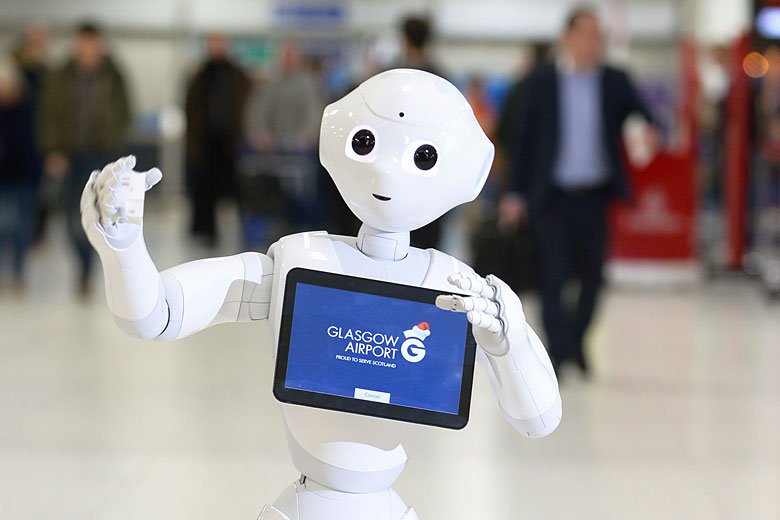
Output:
[[375, 348]]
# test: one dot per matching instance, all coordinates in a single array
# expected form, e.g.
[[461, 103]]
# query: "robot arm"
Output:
[[520, 371], [148, 304]]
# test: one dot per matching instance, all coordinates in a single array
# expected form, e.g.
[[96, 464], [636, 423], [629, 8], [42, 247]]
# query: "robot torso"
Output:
[[344, 451]]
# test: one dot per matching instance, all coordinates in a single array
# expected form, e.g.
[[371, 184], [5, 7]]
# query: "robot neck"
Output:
[[383, 245]]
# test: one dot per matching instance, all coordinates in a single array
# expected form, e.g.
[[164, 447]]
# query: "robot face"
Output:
[[403, 149]]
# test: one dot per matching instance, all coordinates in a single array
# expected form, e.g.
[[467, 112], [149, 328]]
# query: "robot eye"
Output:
[[425, 157], [421, 157], [363, 142]]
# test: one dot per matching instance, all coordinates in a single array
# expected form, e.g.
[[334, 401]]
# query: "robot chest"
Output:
[[314, 431], [322, 252], [340, 255]]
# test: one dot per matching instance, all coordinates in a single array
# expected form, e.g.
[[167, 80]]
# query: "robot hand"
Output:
[[487, 311], [112, 203], [522, 376]]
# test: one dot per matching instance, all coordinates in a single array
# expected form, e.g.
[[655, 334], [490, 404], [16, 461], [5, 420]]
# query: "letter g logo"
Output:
[[413, 350]]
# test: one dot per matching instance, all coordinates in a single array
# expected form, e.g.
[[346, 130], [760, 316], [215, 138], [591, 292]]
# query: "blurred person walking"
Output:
[[713, 69], [417, 33], [215, 104], [19, 169], [335, 215], [767, 111], [85, 119], [30, 54], [477, 95], [503, 245], [285, 121], [507, 128], [567, 167]]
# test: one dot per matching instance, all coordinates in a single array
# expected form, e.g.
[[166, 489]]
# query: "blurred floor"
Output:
[[681, 421]]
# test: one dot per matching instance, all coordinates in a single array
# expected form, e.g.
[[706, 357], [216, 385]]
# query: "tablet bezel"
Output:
[[350, 404]]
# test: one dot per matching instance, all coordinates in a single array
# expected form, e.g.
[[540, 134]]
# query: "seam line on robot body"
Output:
[[147, 326], [510, 377], [174, 301]]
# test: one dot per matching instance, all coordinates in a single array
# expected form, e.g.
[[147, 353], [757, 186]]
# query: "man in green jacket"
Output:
[[85, 118]]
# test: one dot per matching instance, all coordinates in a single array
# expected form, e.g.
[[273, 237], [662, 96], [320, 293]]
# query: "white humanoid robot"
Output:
[[403, 148]]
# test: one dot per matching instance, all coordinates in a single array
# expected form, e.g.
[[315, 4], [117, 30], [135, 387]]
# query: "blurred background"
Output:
[[674, 415]]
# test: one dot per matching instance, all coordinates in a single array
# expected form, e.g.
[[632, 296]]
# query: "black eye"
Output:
[[425, 157], [363, 142]]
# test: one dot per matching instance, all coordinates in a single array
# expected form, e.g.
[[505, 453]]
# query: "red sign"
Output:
[[659, 222]]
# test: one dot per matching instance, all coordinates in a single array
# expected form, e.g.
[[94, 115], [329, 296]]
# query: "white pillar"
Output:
[[719, 21]]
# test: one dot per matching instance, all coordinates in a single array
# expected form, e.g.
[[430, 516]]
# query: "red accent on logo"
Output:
[[424, 326]]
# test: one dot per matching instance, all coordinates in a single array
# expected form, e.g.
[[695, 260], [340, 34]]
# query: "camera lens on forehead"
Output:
[[363, 142], [425, 157]]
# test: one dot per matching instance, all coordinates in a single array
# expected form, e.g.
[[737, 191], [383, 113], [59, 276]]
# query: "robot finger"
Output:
[[485, 321], [108, 171], [121, 182], [459, 303], [108, 201], [483, 305], [121, 165], [105, 183], [152, 177], [108, 221], [110, 182], [111, 171], [480, 286], [108, 197], [111, 186], [473, 283], [108, 214], [127, 163], [88, 196]]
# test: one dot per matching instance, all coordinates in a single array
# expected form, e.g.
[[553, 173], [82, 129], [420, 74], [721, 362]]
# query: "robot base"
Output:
[[307, 500]]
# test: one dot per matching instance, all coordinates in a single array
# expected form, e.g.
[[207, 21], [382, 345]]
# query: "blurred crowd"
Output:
[[56, 126], [249, 140], [253, 141]]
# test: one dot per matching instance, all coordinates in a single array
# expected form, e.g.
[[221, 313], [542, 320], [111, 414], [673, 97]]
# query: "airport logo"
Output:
[[380, 345], [413, 349]]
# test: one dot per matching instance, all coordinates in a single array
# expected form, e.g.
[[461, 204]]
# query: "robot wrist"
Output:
[[121, 250], [120, 236], [495, 346]]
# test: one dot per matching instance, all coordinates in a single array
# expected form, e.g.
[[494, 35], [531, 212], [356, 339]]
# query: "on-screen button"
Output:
[[372, 395]]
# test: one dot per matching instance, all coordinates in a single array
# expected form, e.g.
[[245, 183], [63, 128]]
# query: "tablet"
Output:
[[373, 348]]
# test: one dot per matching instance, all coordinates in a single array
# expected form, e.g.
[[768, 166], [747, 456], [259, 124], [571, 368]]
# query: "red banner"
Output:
[[659, 224]]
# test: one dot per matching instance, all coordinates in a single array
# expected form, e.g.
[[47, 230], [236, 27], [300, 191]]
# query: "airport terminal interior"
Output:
[[676, 413]]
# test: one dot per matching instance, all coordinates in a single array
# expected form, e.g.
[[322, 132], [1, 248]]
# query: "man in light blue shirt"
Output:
[[566, 167], [581, 162]]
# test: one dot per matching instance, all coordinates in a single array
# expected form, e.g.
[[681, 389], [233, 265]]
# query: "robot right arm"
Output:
[[179, 301], [519, 368]]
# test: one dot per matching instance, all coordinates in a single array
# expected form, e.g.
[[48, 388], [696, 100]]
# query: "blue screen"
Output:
[[376, 348]]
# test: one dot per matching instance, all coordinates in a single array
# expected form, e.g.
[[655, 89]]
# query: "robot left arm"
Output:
[[179, 301], [520, 370]]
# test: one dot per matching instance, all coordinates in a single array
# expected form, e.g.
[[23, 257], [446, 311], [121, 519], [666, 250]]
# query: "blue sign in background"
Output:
[[434, 383]]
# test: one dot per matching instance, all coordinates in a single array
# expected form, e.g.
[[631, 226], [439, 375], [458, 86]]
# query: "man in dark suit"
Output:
[[566, 166]]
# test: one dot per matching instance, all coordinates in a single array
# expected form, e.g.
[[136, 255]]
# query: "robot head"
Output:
[[403, 149]]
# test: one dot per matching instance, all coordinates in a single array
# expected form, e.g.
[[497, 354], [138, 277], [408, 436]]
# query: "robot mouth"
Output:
[[380, 197]]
